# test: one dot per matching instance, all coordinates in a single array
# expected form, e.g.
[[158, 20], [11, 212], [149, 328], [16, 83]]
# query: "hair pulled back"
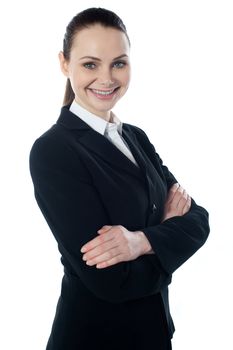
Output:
[[81, 21]]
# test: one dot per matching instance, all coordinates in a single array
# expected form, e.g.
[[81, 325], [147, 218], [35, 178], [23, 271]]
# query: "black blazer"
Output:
[[82, 182]]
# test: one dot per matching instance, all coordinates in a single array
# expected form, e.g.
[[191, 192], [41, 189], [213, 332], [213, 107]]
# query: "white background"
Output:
[[180, 94]]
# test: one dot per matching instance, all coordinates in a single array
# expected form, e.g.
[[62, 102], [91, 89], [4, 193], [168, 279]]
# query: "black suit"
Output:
[[82, 182]]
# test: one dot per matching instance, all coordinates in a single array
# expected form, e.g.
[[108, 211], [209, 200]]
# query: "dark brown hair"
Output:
[[83, 20]]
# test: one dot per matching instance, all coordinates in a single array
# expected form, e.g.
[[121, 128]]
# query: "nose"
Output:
[[105, 77], [107, 83]]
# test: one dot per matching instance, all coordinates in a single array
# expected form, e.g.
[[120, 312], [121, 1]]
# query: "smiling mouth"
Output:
[[104, 92]]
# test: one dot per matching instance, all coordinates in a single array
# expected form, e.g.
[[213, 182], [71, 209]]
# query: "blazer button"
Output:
[[153, 208]]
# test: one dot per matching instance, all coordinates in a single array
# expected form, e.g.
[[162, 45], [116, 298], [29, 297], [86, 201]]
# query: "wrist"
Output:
[[144, 243]]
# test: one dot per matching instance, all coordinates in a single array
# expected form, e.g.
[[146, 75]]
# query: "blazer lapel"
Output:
[[101, 146], [134, 146]]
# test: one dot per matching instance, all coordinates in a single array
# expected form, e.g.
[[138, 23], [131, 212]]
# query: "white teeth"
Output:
[[103, 92]]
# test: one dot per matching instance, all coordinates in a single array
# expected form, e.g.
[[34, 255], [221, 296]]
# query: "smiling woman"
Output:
[[98, 74], [122, 222]]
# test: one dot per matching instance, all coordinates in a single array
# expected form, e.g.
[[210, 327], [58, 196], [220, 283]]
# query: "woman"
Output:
[[122, 222]]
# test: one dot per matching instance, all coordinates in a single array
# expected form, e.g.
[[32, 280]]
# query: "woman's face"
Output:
[[98, 68]]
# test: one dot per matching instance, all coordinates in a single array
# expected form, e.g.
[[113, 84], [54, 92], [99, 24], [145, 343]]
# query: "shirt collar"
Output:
[[94, 121]]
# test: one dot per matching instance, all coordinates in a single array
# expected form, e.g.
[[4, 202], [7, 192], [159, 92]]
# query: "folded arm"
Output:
[[116, 244], [177, 238], [173, 241], [74, 212]]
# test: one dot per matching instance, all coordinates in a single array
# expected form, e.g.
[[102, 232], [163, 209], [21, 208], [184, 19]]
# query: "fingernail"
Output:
[[83, 250]]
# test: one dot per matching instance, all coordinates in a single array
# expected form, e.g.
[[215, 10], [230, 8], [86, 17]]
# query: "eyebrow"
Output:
[[98, 59]]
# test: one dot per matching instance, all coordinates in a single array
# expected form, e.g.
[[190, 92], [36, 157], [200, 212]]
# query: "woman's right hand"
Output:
[[178, 202]]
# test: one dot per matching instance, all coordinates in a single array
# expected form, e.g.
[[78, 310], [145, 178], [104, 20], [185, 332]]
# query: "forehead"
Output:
[[100, 40]]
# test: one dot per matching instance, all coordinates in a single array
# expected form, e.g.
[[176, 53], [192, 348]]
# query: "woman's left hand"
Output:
[[113, 245]]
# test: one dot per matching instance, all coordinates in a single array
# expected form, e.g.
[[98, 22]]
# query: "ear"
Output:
[[63, 64]]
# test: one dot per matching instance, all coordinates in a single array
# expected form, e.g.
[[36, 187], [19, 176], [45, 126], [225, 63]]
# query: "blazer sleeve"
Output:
[[175, 240], [74, 213]]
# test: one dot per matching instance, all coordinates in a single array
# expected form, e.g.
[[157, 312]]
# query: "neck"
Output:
[[104, 115]]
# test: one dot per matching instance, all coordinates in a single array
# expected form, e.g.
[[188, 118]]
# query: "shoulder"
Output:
[[134, 128], [54, 149], [141, 136], [47, 143], [52, 159], [139, 133]]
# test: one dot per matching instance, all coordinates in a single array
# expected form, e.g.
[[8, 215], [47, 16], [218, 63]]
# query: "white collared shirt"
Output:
[[112, 130]]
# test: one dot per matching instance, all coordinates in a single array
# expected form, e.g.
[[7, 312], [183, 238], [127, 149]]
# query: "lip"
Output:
[[104, 97]]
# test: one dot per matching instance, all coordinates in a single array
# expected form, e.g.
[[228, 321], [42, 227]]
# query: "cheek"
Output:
[[125, 77], [125, 82], [80, 79]]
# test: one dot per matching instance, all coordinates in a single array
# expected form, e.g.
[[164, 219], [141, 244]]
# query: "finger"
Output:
[[172, 192], [104, 228], [99, 250], [182, 201], [110, 262], [187, 206], [110, 254], [184, 205], [177, 197], [96, 241]]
